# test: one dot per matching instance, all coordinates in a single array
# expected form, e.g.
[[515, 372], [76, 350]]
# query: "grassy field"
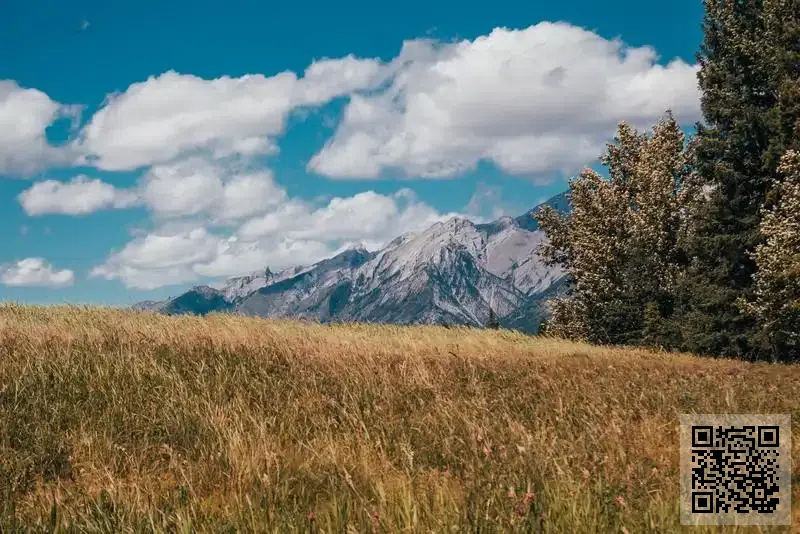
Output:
[[118, 421]]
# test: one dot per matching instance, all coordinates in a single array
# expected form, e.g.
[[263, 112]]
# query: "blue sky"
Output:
[[149, 146]]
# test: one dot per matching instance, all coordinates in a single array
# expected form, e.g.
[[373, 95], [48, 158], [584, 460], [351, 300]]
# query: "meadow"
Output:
[[121, 421]]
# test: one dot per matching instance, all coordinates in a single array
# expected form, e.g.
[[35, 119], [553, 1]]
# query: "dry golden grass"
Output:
[[120, 421]]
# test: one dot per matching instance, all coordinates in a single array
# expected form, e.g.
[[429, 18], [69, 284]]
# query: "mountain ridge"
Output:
[[450, 273]]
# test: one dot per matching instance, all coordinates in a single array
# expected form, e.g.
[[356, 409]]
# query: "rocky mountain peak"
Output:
[[447, 273]]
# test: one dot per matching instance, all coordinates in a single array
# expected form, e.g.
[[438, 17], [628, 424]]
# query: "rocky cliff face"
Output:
[[451, 273]]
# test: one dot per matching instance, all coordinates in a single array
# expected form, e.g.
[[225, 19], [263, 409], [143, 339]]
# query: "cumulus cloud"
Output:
[[236, 257], [25, 114], [292, 233], [541, 99], [173, 256], [35, 272], [366, 216], [198, 186], [186, 188], [159, 259], [174, 114], [531, 101], [156, 120], [245, 195], [328, 78], [486, 204], [79, 196]]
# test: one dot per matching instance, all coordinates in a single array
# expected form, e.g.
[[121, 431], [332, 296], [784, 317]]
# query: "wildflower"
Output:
[[620, 501], [311, 517], [521, 509], [376, 520], [530, 496]]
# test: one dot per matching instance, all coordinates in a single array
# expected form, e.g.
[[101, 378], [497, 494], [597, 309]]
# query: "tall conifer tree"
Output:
[[750, 102]]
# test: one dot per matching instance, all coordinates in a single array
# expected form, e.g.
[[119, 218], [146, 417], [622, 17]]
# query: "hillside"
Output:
[[115, 420], [450, 273]]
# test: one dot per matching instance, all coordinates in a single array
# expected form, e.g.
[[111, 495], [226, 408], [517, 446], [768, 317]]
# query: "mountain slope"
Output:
[[451, 273], [198, 300], [314, 292]]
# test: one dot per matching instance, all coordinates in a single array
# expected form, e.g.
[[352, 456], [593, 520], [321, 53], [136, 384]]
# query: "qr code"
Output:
[[735, 469]]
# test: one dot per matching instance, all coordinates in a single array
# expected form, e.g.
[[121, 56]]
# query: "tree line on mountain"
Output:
[[694, 244]]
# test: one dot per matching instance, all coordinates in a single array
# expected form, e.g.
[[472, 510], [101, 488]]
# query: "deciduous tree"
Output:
[[621, 243], [776, 296]]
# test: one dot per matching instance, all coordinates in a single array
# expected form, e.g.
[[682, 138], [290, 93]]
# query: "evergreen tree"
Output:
[[751, 105], [492, 322], [568, 318], [620, 244], [776, 302]]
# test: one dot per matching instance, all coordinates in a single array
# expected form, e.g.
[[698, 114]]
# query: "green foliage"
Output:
[[696, 248], [492, 322], [751, 104], [657, 330], [620, 245], [776, 301]]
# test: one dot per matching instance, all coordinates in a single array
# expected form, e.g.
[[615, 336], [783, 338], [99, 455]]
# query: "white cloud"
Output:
[[190, 187], [531, 101], [164, 116], [79, 196], [326, 79], [25, 115], [486, 204], [165, 251], [245, 195], [35, 272], [285, 218], [366, 216], [290, 234], [173, 114], [187, 188], [168, 257], [541, 99], [198, 186], [237, 257], [159, 259]]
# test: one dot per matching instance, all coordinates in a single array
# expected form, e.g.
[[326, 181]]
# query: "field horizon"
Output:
[[114, 420]]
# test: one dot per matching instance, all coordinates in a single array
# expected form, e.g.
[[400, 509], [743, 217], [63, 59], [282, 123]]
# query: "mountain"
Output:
[[199, 300], [450, 273], [147, 305]]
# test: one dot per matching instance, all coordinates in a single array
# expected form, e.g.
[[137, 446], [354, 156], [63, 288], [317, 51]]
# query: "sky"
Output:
[[149, 146]]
